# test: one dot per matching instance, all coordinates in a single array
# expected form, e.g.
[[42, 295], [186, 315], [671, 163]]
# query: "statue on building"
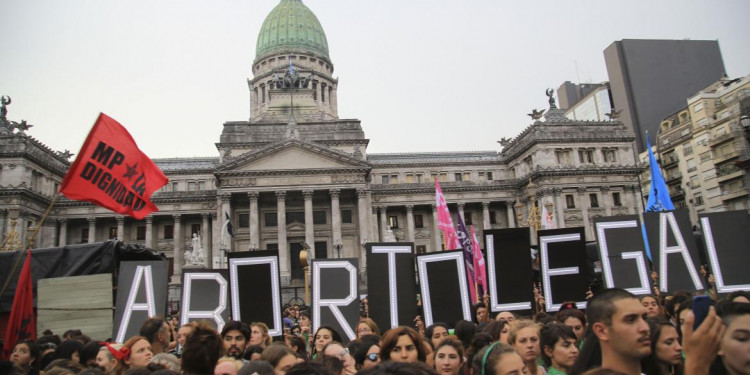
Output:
[[4, 101], [551, 95], [389, 236], [195, 257], [535, 114]]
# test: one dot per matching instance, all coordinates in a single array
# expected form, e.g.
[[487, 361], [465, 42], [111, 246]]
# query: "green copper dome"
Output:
[[291, 26]]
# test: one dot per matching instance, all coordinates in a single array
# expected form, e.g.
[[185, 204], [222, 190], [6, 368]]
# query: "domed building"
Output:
[[295, 174]]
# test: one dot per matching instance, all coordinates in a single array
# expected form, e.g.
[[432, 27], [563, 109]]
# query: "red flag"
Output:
[[21, 323], [112, 172]]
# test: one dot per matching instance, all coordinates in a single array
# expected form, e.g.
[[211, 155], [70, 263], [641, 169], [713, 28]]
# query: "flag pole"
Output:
[[29, 243]]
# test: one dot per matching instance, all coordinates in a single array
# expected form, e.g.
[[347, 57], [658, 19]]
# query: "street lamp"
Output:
[[338, 246]]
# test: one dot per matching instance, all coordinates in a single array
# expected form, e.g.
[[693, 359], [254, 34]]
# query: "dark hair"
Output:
[[236, 325], [304, 368], [151, 328], [257, 366], [678, 298], [66, 349], [601, 308], [250, 350], [335, 336], [92, 370], [455, 344], [65, 364], [739, 293], [563, 315], [543, 318], [479, 341], [683, 307], [331, 364], [54, 339], [71, 333], [34, 352], [465, 330], [475, 309], [275, 353], [485, 361], [494, 329], [430, 330], [391, 338], [359, 349], [202, 350], [650, 364], [550, 334], [88, 353], [590, 355], [399, 368], [299, 343]]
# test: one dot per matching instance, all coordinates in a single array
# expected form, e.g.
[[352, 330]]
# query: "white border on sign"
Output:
[[714, 259], [667, 218], [490, 241], [640, 261], [547, 273], [130, 306], [273, 262], [334, 304], [392, 282], [424, 283], [187, 285]]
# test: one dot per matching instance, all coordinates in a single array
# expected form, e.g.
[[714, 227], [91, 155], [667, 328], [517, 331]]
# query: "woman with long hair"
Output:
[[402, 344], [436, 333], [366, 353], [666, 352], [26, 355], [366, 326], [108, 356], [259, 334], [135, 352], [652, 305], [280, 357], [449, 357], [498, 359], [575, 319], [322, 337], [524, 336], [559, 348]]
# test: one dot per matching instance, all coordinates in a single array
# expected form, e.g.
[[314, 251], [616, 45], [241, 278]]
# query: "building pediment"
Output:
[[292, 155]]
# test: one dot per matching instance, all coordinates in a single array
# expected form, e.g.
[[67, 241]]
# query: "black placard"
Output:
[[444, 287], [623, 253], [391, 278], [674, 253], [563, 266], [510, 276], [255, 288], [141, 293], [726, 237], [205, 296], [335, 296]]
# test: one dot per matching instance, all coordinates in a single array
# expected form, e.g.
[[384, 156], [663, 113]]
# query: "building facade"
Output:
[[296, 175], [701, 148]]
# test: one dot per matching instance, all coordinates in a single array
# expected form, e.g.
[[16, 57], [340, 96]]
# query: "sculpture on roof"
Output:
[[4, 101], [535, 115], [550, 94], [504, 141], [613, 115], [197, 256]]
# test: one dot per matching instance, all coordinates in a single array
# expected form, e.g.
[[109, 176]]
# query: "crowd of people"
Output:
[[619, 333]]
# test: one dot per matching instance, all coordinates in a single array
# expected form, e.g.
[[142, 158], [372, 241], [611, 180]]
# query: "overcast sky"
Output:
[[421, 75]]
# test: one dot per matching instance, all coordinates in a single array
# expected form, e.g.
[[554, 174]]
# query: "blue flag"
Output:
[[658, 195]]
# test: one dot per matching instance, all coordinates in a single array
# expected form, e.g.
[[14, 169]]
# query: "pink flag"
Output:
[[480, 271], [445, 223], [547, 222]]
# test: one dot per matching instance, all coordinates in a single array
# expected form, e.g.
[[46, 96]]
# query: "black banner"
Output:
[[335, 296], [563, 267], [205, 295], [141, 293], [444, 286], [392, 294], [622, 252], [673, 250], [509, 277], [255, 290], [726, 237]]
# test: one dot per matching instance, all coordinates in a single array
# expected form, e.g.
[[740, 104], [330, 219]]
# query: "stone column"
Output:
[[177, 248], [3, 223], [362, 212], [584, 211], [509, 213], [559, 208], [226, 208], [606, 200], [309, 221], [486, 215], [436, 239], [205, 240], [92, 229], [252, 196], [637, 199], [374, 224], [336, 218], [120, 228], [461, 211], [383, 222], [149, 232], [410, 223], [281, 227], [63, 239]]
